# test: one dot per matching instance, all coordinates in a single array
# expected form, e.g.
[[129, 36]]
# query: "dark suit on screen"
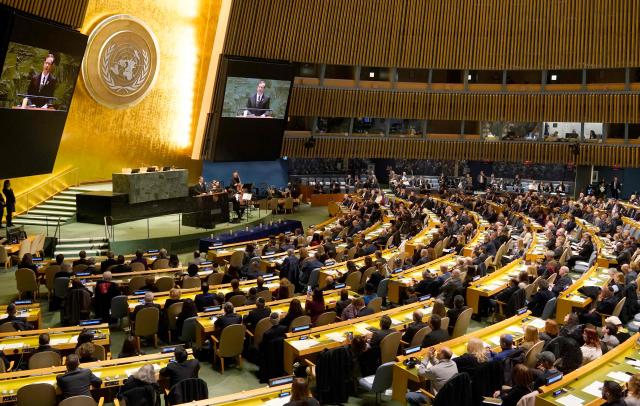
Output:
[[258, 107], [46, 90]]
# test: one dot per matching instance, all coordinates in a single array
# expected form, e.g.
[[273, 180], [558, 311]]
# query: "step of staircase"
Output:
[[82, 246], [52, 213], [52, 206], [74, 253], [83, 240], [62, 202]]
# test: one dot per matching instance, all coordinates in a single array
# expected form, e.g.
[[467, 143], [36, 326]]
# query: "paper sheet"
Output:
[[278, 401], [570, 400], [337, 337], [395, 322], [537, 323], [515, 329], [634, 363], [494, 340], [619, 376], [304, 344], [362, 328], [57, 341], [11, 346], [73, 339], [594, 389]]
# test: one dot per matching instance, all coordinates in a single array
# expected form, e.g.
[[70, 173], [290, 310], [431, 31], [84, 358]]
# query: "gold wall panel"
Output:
[[332, 147], [67, 12], [160, 129], [575, 107], [444, 34]]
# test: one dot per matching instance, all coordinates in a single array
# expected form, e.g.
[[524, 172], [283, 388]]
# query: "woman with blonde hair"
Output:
[[476, 354], [141, 388], [530, 337], [439, 308], [633, 394], [283, 290]]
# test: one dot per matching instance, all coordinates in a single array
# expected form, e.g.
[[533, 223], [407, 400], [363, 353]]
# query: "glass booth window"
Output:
[[410, 128], [558, 132], [369, 126], [593, 131], [333, 125], [512, 131]]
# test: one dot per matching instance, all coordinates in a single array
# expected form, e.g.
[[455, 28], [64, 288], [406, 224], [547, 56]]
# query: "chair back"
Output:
[[530, 357], [551, 279], [549, 309], [80, 268], [45, 359], [49, 276], [137, 267], [462, 323], [98, 353], [326, 318], [351, 252], [165, 283], [383, 288], [119, 307], [366, 275], [353, 280], [41, 394], [375, 304], [313, 278], [188, 333], [4, 256], [136, 282], [261, 326], [147, 322], [619, 306], [215, 278], [188, 390], [383, 378], [300, 321], [238, 300], [389, 242], [161, 263], [26, 280], [236, 259], [80, 400], [529, 399], [232, 340], [532, 288], [444, 323], [389, 347], [61, 287], [191, 282], [438, 249], [7, 328], [457, 391], [25, 248], [266, 295], [288, 203], [418, 338], [172, 315]]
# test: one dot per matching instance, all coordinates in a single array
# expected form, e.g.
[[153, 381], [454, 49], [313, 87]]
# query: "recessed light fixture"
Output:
[[554, 77], [372, 74]]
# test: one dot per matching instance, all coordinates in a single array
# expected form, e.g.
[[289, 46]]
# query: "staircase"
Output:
[[62, 205], [94, 246]]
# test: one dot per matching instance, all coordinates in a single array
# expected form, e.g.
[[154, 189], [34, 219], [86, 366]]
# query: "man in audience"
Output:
[[506, 348], [121, 266], [110, 261], [545, 368], [228, 318], [83, 259], [204, 299], [437, 334], [105, 290], [540, 298], [43, 344], [276, 331], [148, 302], [141, 259], [76, 381], [255, 315], [64, 272], [369, 293], [563, 281], [436, 369], [19, 323], [197, 259], [379, 334], [260, 284], [414, 327], [183, 368], [357, 308], [235, 290]]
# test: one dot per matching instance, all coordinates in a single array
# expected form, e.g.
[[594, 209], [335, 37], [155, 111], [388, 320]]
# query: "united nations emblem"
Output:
[[121, 61]]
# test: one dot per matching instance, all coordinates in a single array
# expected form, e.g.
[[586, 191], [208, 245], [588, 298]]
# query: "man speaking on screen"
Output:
[[42, 84], [258, 103]]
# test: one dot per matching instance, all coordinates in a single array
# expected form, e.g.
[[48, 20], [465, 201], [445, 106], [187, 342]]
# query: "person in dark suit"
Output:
[[255, 315], [148, 302], [105, 290], [76, 381], [19, 323], [205, 298], [414, 327], [616, 188], [378, 335], [181, 369], [228, 318], [43, 344], [10, 201], [540, 298], [201, 187], [437, 335], [259, 103], [42, 84], [110, 261], [2, 206]]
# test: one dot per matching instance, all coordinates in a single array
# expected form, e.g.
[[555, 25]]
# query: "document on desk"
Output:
[[619, 376], [337, 337], [515, 329], [494, 340], [57, 341], [11, 346], [570, 400], [304, 344], [278, 401], [362, 328], [537, 323], [594, 389]]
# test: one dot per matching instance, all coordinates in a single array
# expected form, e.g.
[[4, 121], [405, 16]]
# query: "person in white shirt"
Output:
[[591, 349], [437, 369]]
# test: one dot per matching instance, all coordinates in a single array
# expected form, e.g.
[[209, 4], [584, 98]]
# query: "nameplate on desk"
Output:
[[206, 263], [522, 311], [217, 244], [83, 274], [301, 328], [424, 298], [166, 350], [340, 285], [153, 251], [412, 350], [37, 259], [10, 398], [284, 394], [269, 253], [267, 275], [283, 380], [89, 322], [22, 302], [554, 378], [269, 278], [395, 271], [212, 308], [114, 382], [475, 278], [139, 292]]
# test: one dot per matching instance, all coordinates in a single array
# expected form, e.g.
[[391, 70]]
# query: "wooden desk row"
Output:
[[30, 311], [62, 338], [268, 396]]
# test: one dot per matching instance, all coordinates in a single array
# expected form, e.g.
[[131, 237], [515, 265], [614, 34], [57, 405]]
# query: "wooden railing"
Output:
[[44, 190]]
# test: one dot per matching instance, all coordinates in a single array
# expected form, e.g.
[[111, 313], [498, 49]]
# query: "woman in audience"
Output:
[[609, 339], [572, 328], [141, 388], [300, 395], [27, 262], [351, 268], [550, 331], [315, 305], [130, 348], [613, 394], [85, 336], [591, 349], [192, 270], [189, 309], [174, 297], [283, 290], [343, 302], [295, 310], [476, 354], [454, 313], [85, 353], [174, 261], [439, 308], [530, 337], [522, 382], [633, 393]]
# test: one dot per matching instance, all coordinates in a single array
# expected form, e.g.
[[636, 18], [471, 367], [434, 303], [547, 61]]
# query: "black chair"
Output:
[[457, 391], [187, 390]]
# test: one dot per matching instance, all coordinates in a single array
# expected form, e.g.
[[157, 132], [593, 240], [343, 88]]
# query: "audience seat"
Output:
[[26, 282], [389, 347], [45, 359], [146, 324], [41, 394], [81, 401], [380, 382], [230, 345]]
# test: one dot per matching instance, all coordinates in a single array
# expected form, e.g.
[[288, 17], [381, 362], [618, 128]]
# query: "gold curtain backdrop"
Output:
[[160, 129]]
